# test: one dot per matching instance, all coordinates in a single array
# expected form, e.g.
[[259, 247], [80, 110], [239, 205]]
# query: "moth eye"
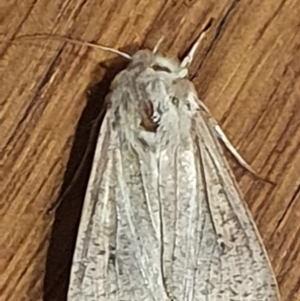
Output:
[[160, 68], [175, 101], [188, 105]]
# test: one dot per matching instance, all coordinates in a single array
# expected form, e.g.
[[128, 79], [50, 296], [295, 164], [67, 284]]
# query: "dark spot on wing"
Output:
[[112, 258]]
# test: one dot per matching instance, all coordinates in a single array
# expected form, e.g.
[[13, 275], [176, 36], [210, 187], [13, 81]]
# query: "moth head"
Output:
[[159, 63], [163, 64]]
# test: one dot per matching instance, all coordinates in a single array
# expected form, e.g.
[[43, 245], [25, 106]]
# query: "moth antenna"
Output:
[[158, 44], [75, 42], [190, 56]]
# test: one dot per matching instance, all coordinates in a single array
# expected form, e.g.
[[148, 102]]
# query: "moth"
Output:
[[163, 218]]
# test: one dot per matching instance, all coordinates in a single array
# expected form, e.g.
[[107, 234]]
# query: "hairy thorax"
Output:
[[153, 102]]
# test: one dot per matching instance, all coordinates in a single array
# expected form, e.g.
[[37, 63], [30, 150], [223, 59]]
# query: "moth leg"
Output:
[[232, 149], [186, 62], [222, 136], [236, 154], [190, 56]]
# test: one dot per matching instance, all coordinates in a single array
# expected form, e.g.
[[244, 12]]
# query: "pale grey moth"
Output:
[[163, 218]]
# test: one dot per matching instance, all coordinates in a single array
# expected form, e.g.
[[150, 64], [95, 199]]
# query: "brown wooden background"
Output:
[[247, 72]]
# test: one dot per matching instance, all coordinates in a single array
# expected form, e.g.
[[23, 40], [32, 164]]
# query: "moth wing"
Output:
[[92, 263], [237, 266], [117, 251]]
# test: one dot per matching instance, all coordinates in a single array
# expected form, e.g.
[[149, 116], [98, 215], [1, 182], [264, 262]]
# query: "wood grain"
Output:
[[247, 72]]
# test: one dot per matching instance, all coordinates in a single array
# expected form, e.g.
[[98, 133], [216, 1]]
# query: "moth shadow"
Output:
[[67, 215]]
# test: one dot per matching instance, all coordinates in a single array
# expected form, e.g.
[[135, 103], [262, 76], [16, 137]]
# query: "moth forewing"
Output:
[[245, 262], [163, 218]]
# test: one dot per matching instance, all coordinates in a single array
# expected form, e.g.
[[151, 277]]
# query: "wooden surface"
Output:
[[247, 72]]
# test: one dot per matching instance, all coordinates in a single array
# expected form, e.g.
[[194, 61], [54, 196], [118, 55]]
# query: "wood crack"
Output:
[[44, 81], [287, 208], [219, 31]]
